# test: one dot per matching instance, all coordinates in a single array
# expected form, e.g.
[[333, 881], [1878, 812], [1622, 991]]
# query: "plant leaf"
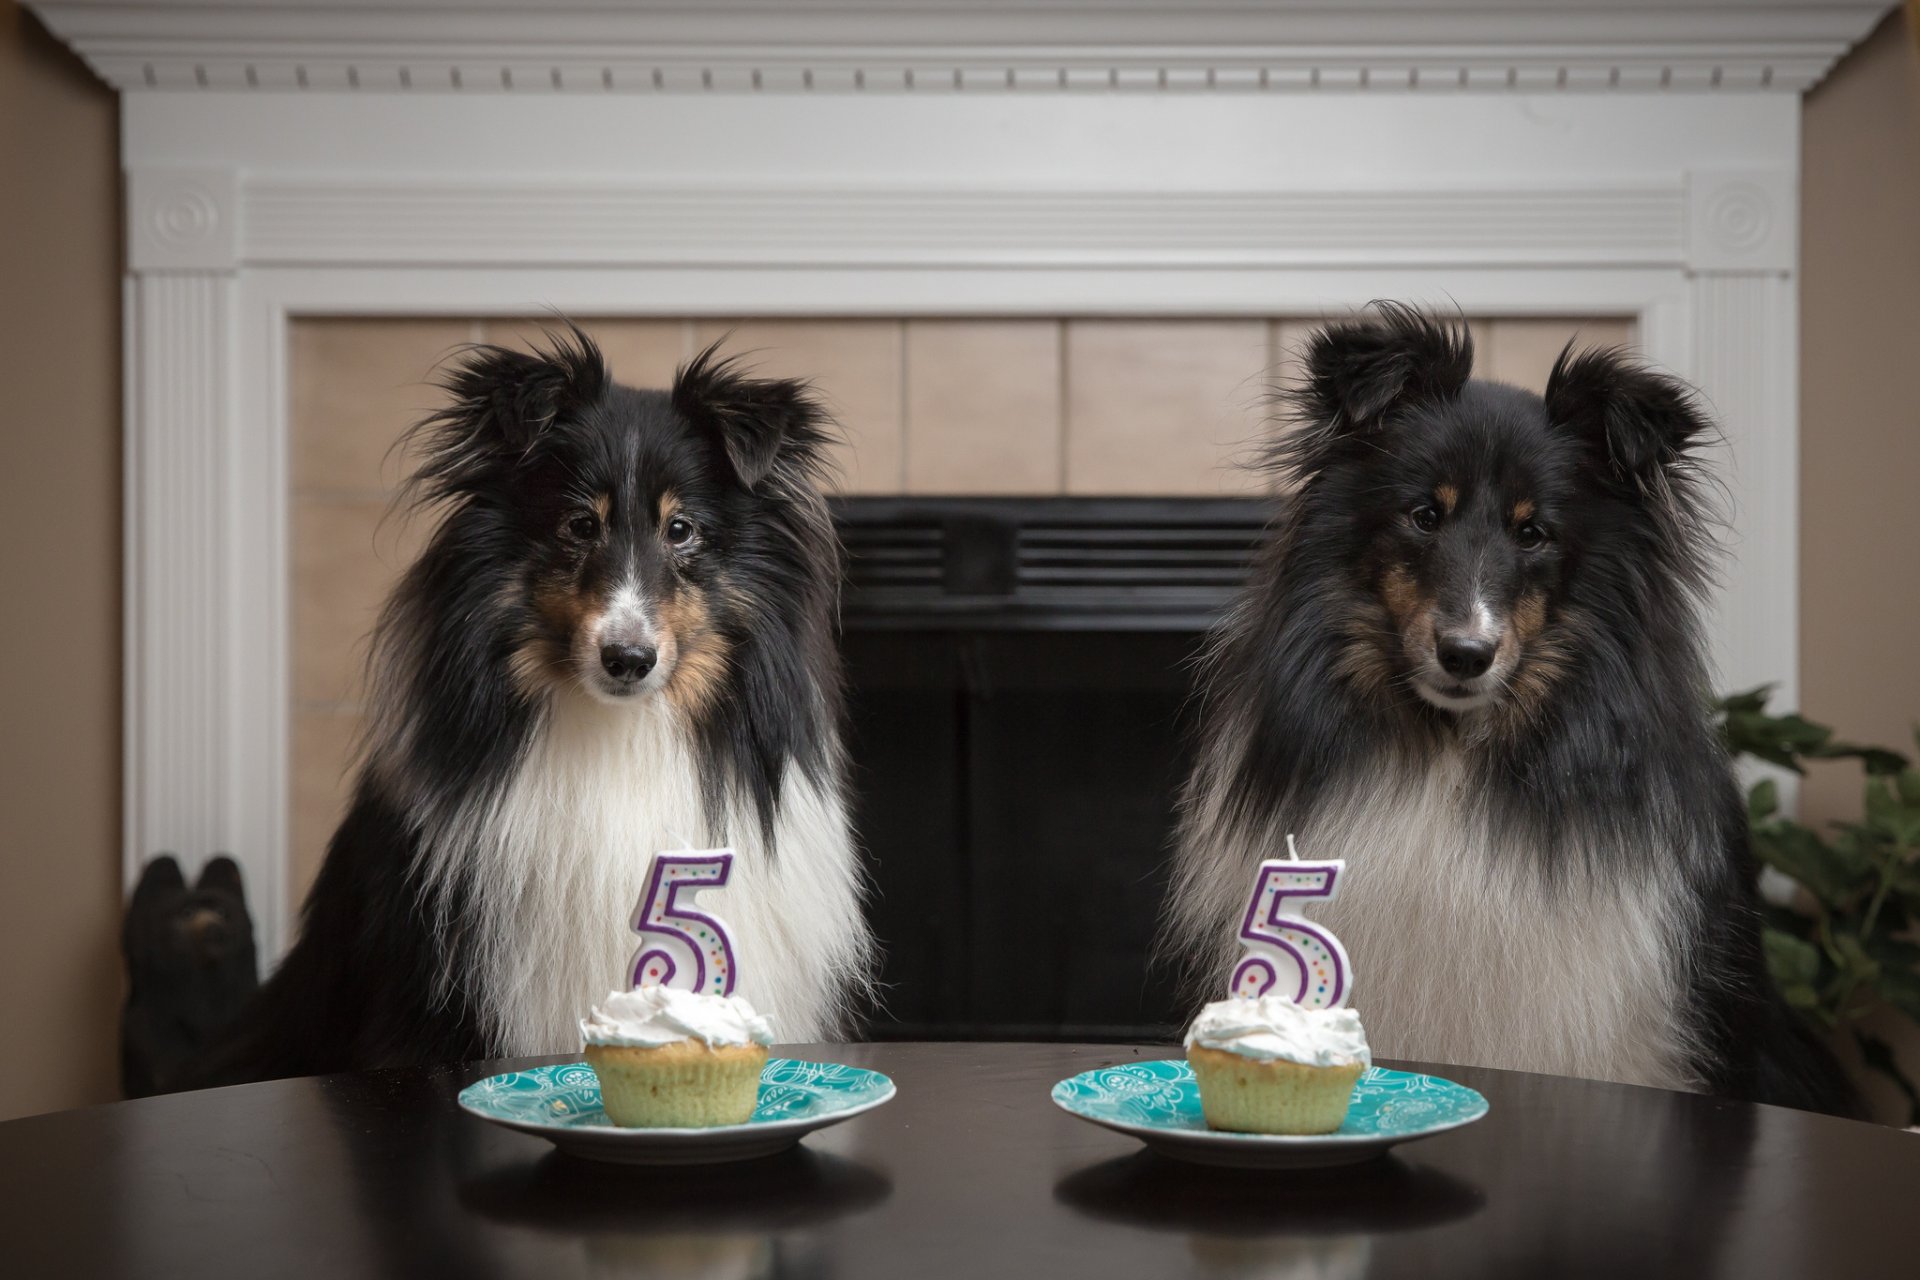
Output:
[[1879, 761], [1775, 739], [1888, 816], [1756, 700], [1860, 966], [1792, 848], [1763, 801], [1793, 963], [1852, 852]]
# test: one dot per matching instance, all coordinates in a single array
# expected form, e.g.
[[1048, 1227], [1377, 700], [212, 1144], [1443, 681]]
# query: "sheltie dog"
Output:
[[1470, 663], [618, 641]]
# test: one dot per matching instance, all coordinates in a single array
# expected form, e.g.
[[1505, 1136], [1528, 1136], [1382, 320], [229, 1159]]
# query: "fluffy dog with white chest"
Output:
[[1470, 662], [618, 641]]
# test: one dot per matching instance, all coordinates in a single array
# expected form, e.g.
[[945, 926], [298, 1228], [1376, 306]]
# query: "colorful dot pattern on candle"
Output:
[[681, 946], [1284, 953]]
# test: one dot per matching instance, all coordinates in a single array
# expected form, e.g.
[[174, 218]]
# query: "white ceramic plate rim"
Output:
[[1224, 1138], [614, 1132]]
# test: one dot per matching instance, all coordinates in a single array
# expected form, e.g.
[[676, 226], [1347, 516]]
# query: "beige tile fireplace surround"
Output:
[[974, 406]]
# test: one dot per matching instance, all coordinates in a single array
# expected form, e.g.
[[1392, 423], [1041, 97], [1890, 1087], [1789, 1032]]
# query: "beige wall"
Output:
[[59, 563], [1860, 410], [1860, 426]]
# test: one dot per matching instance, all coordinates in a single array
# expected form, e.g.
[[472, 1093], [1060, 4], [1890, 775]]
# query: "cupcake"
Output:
[[1267, 1065], [676, 1059]]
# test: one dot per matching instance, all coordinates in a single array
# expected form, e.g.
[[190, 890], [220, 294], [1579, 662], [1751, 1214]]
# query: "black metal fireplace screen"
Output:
[[1019, 673]]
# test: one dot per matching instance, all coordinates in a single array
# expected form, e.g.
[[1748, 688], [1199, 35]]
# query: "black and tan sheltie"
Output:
[[619, 640], [1470, 662]]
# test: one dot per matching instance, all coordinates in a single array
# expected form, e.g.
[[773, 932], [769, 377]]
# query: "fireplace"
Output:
[[1019, 672]]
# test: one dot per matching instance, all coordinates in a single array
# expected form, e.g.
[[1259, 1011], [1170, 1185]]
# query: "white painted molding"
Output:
[[1742, 328], [183, 219], [480, 222], [188, 773], [926, 46], [1742, 220], [206, 219]]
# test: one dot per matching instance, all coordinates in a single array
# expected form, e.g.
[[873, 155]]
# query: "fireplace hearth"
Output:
[[1019, 671]]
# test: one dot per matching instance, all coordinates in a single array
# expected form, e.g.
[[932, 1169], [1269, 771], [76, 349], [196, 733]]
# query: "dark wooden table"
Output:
[[971, 1171]]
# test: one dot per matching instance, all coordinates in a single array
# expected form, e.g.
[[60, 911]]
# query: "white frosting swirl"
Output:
[[648, 1017], [1274, 1027]]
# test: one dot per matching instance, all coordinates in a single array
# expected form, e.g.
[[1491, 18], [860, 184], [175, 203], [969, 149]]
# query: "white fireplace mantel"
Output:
[[930, 46], [896, 157]]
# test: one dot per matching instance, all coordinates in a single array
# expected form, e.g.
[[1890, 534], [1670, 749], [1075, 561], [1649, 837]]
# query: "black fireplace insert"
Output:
[[1019, 673]]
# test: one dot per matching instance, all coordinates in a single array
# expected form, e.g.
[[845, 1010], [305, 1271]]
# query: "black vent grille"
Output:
[[1045, 563]]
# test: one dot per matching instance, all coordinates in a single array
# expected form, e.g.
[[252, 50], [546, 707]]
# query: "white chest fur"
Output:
[[555, 862], [1465, 953], [1463, 950]]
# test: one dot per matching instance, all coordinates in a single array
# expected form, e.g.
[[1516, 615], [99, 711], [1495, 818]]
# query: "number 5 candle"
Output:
[[679, 945], [1285, 954]]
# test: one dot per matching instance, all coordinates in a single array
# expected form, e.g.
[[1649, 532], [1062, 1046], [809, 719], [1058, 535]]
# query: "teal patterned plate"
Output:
[[562, 1105], [1159, 1103]]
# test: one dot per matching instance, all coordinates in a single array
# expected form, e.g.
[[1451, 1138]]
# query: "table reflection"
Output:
[[743, 1221]]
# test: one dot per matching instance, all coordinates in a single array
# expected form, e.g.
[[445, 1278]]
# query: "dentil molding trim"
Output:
[[916, 46]]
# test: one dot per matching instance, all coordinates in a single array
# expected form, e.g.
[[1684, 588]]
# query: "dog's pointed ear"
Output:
[[1633, 421], [160, 880], [500, 404], [507, 398], [220, 875], [760, 424], [1360, 372]]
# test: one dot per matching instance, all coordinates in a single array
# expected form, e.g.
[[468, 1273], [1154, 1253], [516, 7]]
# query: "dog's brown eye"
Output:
[[680, 532], [1530, 536], [584, 527], [1425, 519]]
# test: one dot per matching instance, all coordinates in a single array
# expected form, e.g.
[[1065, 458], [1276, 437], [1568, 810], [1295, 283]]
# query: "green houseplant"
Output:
[[1846, 944]]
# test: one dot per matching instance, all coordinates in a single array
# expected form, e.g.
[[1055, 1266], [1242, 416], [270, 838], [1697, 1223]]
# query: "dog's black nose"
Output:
[[628, 663], [1465, 657]]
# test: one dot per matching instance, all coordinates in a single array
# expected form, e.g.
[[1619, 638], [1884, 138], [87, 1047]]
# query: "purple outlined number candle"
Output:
[[1285, 954], [680, 946]]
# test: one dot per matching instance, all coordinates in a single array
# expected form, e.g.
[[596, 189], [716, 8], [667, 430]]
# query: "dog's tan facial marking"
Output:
[[1411, 607], [1381, 633], [1402, 595], [703, 653], [1524, 510], [541, 660], [534, 665], [1522, 632], [666, 508], [1448, 496], [603, 506], [561, 606], [1529, 617], [1546, 658], [1364, 662]]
